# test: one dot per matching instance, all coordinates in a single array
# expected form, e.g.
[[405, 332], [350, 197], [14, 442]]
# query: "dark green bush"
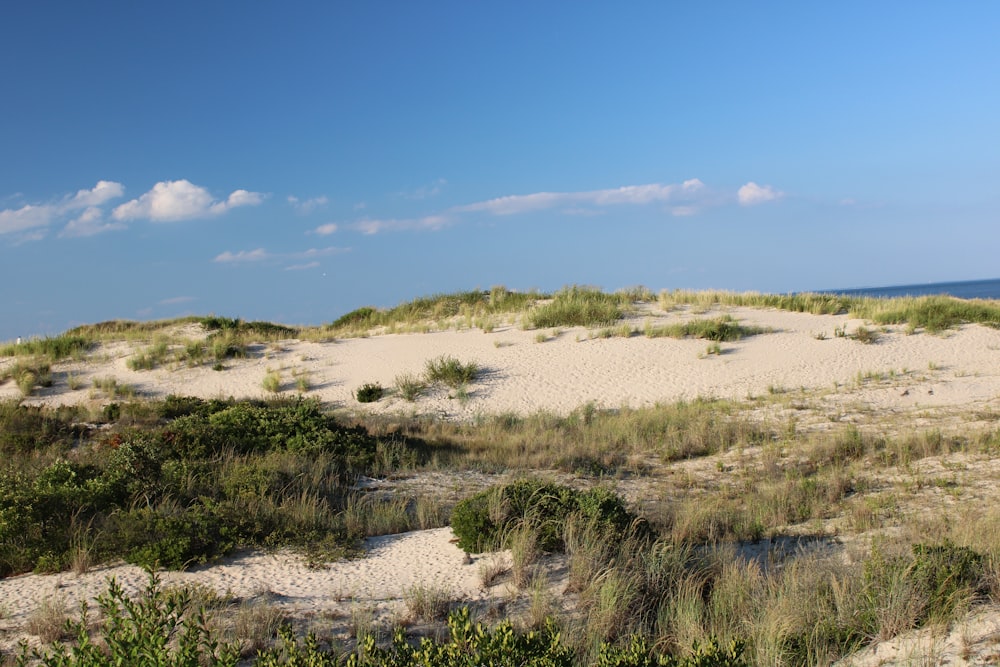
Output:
[[246, 427], [154, 538], [369, 393], [482, 521]]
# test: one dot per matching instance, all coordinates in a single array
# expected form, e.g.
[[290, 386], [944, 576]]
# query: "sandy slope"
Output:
[[959, 368]]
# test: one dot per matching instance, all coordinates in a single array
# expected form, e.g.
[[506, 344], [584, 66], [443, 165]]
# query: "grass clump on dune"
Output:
[[578, 306], [59, 347], [450, 371], [720, 329], [931, 313], [474, 306]]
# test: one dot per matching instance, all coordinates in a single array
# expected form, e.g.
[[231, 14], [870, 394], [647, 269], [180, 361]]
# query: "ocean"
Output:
[[967, 289]]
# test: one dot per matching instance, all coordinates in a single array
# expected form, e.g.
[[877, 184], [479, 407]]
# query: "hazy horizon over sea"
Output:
[[964, 289]]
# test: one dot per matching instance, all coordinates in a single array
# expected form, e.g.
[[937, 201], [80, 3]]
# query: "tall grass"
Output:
[[720, 329], [577, 306], [439, 308]]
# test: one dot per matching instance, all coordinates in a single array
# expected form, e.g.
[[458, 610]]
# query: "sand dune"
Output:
[[956, 371]]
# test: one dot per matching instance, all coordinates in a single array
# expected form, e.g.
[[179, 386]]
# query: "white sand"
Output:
[[959, 369]]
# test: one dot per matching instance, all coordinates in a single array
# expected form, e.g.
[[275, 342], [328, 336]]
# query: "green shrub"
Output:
[[153, 538], [484, 520], [369, 393], [159, 628], [450, 371]]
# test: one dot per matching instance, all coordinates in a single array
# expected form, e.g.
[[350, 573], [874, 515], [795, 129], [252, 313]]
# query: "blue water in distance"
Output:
[[968, 289]]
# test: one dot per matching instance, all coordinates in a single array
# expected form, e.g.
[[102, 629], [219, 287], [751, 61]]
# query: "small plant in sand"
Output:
[[302, 383], [111, 389], [491, 570], [26, 382], [256, 624], [409, 386], [272, 381], [369, 392], [865, 335], [48, 621], [427, 603], [450, 371]]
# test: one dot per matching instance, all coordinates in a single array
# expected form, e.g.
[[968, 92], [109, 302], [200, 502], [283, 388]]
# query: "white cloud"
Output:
[[308, 205], [102, 192], [89, 223], [32, 216], [424, 192], [176, 300], [26, 217], [318, 252], [751, 194], [327, 229], [228, 257], [182, 200], [302, 267], [683, 211], [432, 222], [307, 258], [629, 194]]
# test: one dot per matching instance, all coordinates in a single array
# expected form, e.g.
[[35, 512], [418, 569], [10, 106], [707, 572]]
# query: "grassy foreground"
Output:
[[183, 481]]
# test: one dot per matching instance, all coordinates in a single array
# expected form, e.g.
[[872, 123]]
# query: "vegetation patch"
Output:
[[450, 371], [485, 520], [720, 329], [369, 393]]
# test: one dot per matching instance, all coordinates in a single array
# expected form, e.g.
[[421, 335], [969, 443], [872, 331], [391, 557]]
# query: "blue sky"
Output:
[[294, 161]]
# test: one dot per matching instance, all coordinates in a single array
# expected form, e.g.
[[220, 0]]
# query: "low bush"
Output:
[[369, 393], [450, 371], [484, 520]]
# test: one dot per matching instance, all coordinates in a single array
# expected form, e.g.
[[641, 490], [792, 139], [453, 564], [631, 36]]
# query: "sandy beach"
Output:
[[911, 377]]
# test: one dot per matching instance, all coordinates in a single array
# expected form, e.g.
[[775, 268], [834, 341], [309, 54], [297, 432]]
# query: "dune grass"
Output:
[[719, 329]]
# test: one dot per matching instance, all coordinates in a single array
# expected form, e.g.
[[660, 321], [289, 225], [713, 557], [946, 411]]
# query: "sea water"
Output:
[[968, 289]]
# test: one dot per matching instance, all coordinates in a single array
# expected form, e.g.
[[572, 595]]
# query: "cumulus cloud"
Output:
[[89, 223], [26, 217], [182, 200], [327, 229], [242, 256], [752, 194], [99, 194], [34, 216], [308, 205]]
